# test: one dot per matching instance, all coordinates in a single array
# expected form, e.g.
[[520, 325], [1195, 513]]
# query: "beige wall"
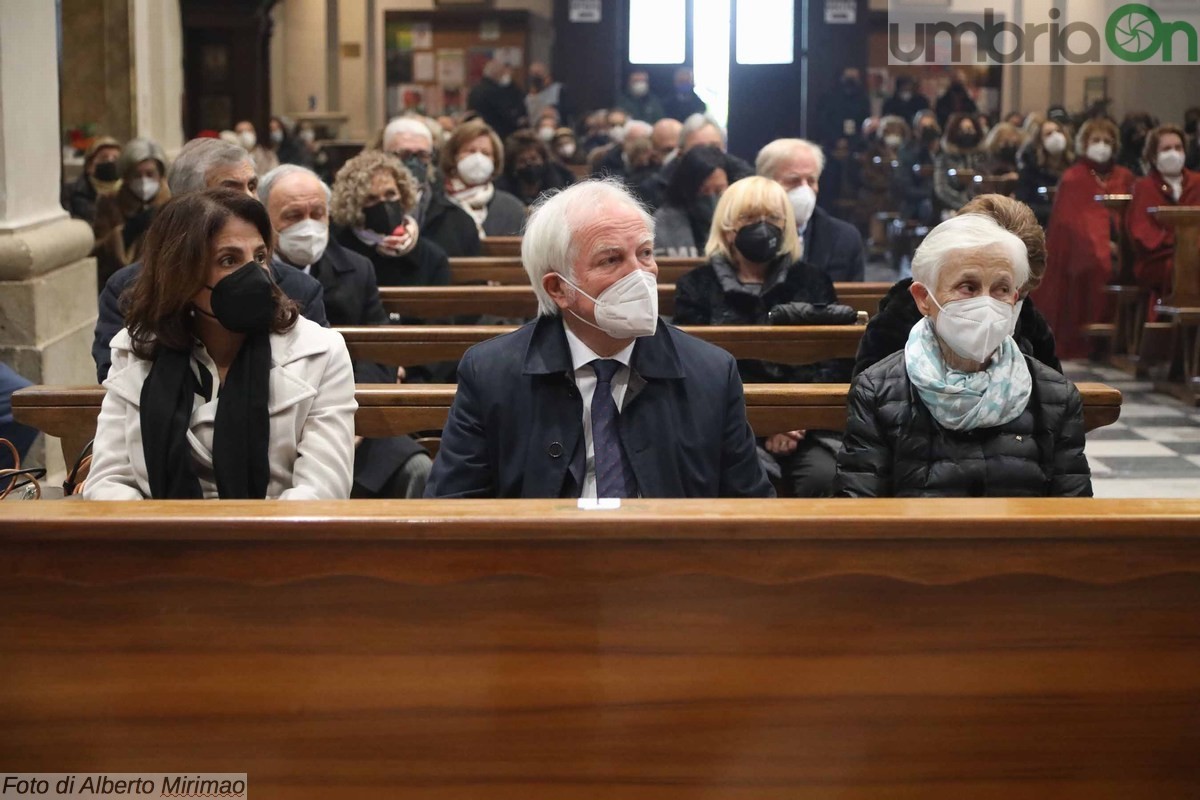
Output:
[[303, 46], [352, 69], [96, 66]]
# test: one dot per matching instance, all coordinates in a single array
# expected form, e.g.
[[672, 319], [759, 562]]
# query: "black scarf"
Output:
[[241, 430]]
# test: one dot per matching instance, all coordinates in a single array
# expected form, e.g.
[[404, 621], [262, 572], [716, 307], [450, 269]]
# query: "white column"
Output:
[[158, 71]]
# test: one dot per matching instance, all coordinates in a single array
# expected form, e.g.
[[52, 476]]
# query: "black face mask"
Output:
[[966, 140], [537, 83], [1008, 153], [759, 242], [418, 168], [929, 134], [106, 171], [530, 174], [243, 301], [385, 217]]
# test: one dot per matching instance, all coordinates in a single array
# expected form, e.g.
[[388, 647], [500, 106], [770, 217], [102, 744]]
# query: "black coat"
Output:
[[516, 426], [446, 224], [712, 295], [888, 330], [304, 289], [893, 447], [554, 176], [905, 109], [79, 199], [501, 107], [834, 246], [681, 106], [1030, 180], [653, 191], [425, 265]]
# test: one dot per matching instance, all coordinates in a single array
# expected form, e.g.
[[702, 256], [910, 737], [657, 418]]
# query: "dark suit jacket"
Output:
[[304, 289], [835, 247], [516, 426]]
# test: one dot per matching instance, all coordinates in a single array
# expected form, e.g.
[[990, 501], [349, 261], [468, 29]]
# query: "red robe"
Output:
[[1153, 242], [1079, 262]]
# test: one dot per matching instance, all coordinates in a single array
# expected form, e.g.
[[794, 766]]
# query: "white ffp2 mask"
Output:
[[475, 168], [304, 242], [803, 200], [975, 327], [627, 308]]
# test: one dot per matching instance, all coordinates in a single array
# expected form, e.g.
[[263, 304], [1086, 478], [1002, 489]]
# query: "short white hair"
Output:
[[406, 125], [267, 182], [964, 234], [698, 122], [636, 128], [770, 159], [548, 244]]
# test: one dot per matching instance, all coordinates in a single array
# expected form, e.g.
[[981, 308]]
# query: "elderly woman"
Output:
[[1079, 244], [754, 265], [123, 217], [100, 177], [372, 196], [530, 171], [471, 160], [683, 222], [960, 411], [218, 387]]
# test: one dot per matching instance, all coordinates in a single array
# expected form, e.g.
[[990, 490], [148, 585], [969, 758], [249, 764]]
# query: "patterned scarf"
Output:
[[965, 401], [472, 199]]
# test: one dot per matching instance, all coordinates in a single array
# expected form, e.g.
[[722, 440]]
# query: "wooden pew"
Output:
[[1122, 337], [70, 412], [1182, 307], [934, 649], [501, 246], [441, 302], [508, 271]]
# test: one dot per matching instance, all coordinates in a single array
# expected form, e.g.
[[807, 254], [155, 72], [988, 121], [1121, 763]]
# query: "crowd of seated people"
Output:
[[949, 340]]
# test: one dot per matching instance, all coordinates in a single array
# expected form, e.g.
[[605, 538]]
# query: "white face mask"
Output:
[[639, 88], [546, 134], [308, 135], [1016, 317], [1170, 162], [803, 200], [617, 133], [145, 189], [626, 309], [475, 168], [975, 327], [1100, 152], [893, 141], [505, 79], [304, 242], [566, 149], [276, 137], [1055, 143], [248, 139]]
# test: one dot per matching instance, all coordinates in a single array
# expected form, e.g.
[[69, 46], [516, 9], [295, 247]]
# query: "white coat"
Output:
[[311, 405]]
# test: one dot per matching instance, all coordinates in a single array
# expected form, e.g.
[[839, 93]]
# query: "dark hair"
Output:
[[175, 261], [694, 168], [519, 142]]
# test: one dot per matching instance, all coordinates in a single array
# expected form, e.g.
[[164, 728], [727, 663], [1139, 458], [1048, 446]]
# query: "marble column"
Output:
[[47, 279]]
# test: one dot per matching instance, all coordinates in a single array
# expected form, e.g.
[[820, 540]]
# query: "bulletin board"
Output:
[[432, 60]]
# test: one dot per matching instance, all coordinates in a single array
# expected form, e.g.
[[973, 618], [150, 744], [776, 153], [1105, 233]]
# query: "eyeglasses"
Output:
[[421, 155]]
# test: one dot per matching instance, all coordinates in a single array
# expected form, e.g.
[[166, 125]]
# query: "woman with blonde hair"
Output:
[[753, 267]]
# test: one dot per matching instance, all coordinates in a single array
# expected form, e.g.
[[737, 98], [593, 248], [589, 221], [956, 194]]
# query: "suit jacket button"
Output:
[[555, 450]]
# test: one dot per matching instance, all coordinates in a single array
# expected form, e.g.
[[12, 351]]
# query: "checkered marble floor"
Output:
[[1152, 451]]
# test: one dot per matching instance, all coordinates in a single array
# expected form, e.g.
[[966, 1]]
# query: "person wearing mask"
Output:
[[298, 205], [664, 136], [682, 223], [219, 388], [565, 148], [440, 220], [637, 100], [625, 404], [201, 164], [914, 175], [1169, 183], [100, 176], [1134, 129], [545, 93], [546, 125], [697, 130], [616, 160], [1001, 147], [960, 153], [595, 131], [1045, 159], [123, 217], [831, 245], [880, 162], [960, 411], [370, 196], [264, 158], [497, 100], [955, 100], [529, 170], [683, 100], [906, 102], [287, 147], [471, 160], [753, 266], [844, 108], [1079, 241], [889, 329]]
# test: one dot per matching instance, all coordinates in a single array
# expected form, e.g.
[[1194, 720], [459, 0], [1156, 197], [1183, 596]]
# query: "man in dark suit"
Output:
[[831, 244], [298, 205], [598, 397], [201, 164]]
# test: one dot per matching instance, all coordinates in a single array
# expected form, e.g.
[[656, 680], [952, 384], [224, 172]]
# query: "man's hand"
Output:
[[782, 444]]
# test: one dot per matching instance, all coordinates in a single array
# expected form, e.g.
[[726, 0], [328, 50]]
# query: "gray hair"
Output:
[[770, 159], [696, 123], [638, 129], [410, 125], [198, 158], [968, 233], [267, 182], [548, 244], [136, 151]]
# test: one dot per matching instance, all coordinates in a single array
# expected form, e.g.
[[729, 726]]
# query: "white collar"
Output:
[[582, 355]]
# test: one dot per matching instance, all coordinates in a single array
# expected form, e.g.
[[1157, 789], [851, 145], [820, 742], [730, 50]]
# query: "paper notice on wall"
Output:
[[584, 11], [422, 35], [841, 12], [451, 68], [513, 56], [424, 70], [489, 30]]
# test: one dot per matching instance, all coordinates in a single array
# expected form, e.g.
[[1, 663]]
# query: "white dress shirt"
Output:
[[585, 378]]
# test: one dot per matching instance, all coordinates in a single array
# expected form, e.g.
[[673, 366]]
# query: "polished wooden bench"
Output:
[[70, 412], [507, 270], [934, 649], [442, 302], [500, 245]]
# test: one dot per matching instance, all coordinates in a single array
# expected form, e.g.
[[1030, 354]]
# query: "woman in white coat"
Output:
[[218, 387]]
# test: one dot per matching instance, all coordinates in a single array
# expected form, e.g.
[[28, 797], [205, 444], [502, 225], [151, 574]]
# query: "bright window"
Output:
[[710, 43], [765, 31], [657, 31]]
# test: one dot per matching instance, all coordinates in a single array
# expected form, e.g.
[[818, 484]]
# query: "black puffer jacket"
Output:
[[888, 330], [894, 448]]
